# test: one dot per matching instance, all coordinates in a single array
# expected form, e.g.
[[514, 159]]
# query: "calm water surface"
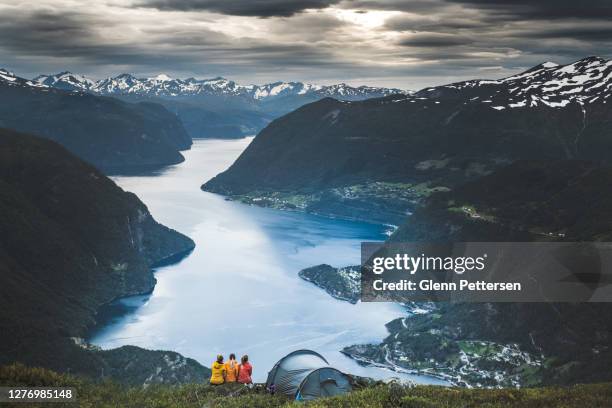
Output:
[[239, 290]]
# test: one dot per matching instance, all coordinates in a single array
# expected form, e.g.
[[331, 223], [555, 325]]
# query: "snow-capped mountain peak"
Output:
[[66, 80], [164, 86], [549, 64], [548, 84], [9, 78], [161, 78]]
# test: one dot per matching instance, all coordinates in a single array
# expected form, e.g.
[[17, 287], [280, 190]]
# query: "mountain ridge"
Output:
[[435, 138], [164, 85], [547, 84]]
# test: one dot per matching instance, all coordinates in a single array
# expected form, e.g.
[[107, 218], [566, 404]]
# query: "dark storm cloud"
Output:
[[544, 9], [67, 37], [377, 41], [514, 34], [51, 41], [524, 9], [412, 6], [430, 24], [252, 8], [434, 40], [596, 33], [41, 29]]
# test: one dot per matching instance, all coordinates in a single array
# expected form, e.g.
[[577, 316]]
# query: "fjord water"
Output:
[[238, 291]]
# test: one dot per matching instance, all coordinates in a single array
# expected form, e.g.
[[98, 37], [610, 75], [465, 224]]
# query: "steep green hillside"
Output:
[[332, 143], [341, 283], [526, 201], [70, 241]]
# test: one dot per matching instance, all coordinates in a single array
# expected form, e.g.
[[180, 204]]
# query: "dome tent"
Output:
[[306, 375]]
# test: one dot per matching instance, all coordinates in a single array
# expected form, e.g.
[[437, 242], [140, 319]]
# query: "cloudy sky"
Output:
[[408, 44]]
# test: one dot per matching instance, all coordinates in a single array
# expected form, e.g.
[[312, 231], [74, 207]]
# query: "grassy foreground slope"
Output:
[[229, 396]]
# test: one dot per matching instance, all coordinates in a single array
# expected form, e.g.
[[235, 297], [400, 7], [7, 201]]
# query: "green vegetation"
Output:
[[341, 283], [379, 201], [71, 240], [108, 394], [525, 201]]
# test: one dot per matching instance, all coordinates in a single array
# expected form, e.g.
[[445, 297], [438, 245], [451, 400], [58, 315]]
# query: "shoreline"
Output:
[[395, 368], [330, 215], [112, 308], [123, 308]]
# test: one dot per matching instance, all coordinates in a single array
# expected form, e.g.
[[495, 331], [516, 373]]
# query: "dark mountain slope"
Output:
[[203, 116], [109, 133], [526, 201], [443, 135], [70, 241]]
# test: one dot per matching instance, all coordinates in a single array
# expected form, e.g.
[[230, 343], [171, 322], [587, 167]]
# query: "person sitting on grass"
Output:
[[231, 369], [218, 374], [245, 371]]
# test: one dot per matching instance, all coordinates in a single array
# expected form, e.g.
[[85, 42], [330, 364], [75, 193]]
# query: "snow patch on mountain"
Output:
[[585, 81], [9, 78]]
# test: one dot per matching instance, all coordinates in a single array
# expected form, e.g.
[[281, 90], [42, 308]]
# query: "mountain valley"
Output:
[[215, 107], [432, 140]]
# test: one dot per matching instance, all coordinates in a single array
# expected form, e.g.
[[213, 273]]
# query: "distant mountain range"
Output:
[[437, 137], [215, 107], [165, 86], [107, 132]]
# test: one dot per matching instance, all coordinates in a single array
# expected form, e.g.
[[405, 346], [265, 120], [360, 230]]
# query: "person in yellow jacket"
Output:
[[231, 369], [218, 371]]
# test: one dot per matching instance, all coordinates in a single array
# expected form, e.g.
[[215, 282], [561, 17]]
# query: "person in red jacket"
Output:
[[245, 371]]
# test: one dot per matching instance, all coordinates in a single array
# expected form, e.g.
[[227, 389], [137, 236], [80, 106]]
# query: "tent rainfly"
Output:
[[306, 375]]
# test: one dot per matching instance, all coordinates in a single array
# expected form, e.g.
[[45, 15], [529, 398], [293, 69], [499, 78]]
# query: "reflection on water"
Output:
[[239, 291]]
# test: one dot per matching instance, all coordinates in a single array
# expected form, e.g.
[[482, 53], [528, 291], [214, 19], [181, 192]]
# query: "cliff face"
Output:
[[70, 240]]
